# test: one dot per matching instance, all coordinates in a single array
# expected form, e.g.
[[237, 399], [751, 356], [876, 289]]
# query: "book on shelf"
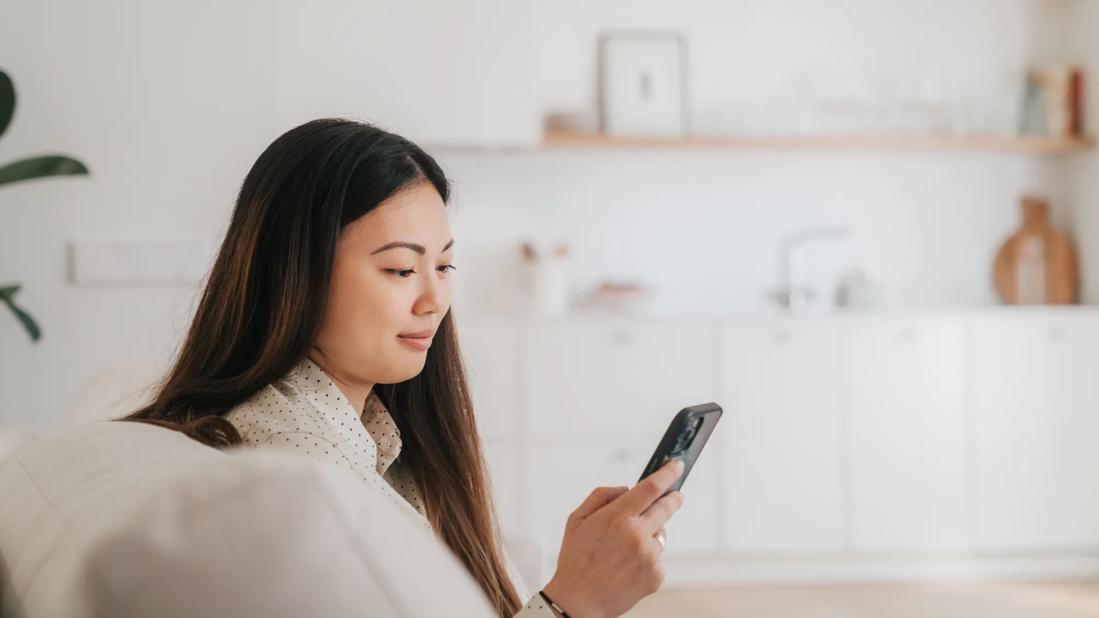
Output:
[[1053, 102]]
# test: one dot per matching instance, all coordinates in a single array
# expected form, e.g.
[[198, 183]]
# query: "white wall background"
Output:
[[926, 225], [1085, 168], [169, 103]]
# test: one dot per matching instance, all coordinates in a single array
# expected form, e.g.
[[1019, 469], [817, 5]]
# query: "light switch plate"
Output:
[[137, 262]]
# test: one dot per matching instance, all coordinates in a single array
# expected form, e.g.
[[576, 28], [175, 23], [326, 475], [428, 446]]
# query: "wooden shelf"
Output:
[[1021, 144]]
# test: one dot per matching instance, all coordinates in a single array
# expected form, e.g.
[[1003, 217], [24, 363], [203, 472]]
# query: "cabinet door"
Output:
[[780, 436], [504, 460], [490, 349], [615, 378], [437, 72], [1036, 394], [560, 475], [908, 434]]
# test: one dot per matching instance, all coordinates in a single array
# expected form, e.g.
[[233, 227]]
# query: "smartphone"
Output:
[[684, 439]]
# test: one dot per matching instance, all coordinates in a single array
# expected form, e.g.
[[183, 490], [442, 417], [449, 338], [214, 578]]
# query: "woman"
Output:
[[328, 307]]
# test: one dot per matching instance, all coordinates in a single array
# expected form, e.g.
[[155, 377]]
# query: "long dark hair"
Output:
[[261, 313]]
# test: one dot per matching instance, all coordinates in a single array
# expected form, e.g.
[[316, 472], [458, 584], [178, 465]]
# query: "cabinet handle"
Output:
[[906, 335], [621, 337]]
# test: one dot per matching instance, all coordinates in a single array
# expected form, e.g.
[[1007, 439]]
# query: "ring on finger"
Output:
[[661, 538]]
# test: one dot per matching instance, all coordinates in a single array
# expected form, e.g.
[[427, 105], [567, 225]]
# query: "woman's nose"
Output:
[[433, 294]]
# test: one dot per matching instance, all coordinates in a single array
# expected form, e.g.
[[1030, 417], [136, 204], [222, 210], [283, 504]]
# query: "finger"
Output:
[[656, 516], [597, 499], [649, 489]]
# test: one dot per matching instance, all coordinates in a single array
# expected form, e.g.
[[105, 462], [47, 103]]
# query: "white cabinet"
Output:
[[1036, 400], [561, 475], [504, 463], [614, 379], [908, 428], [855, 436], [435, 72], [491, 352], [780, 436]]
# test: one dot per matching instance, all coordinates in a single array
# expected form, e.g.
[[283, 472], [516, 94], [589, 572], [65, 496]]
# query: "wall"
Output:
[[1085, 169], [703, 228], [170, 103], [164, 102]]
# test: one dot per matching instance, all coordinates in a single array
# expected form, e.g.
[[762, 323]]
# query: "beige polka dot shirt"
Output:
[[306, 413]]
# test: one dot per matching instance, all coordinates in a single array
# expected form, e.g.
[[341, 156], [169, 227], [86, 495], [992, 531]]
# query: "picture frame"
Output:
[[643, 84]]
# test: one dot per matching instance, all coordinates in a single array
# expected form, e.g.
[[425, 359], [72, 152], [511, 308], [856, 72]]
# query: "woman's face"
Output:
[[391, 276]]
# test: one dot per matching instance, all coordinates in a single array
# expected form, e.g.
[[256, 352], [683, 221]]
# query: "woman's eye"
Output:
[[404, 273]]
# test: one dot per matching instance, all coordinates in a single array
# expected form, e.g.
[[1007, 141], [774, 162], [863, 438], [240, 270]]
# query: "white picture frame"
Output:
[[643, 84]]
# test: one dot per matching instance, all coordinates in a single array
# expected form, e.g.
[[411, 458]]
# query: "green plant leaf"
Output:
[[7, 296], [41, 167], [7, 101]]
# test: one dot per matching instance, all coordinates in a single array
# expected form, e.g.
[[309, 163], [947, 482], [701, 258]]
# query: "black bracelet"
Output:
[[556, 607]]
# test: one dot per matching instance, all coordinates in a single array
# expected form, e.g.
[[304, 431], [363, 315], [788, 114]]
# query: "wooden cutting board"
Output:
[[1037, 264]]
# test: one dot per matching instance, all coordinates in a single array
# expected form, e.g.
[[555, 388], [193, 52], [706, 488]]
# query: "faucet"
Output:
[[796, 293]]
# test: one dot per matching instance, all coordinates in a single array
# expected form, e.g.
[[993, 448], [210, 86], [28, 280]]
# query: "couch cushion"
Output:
[[68, 489], [11, 440], [125, 519], [114, 393]]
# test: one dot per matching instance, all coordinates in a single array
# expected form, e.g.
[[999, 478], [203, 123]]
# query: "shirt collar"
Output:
[[307, 376]]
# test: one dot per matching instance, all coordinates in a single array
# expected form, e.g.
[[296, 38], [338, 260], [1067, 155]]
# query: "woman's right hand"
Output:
[[609, 558]]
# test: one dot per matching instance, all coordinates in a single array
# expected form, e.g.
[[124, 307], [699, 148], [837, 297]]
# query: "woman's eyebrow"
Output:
[[408, 245]]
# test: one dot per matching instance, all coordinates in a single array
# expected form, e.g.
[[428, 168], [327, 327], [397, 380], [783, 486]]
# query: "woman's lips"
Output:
[[419, 343]]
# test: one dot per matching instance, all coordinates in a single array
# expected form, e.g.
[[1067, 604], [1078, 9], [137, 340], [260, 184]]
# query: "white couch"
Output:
[[104, 518]]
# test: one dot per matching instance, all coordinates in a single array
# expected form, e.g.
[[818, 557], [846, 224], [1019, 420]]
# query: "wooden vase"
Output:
[[1037, 264]]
